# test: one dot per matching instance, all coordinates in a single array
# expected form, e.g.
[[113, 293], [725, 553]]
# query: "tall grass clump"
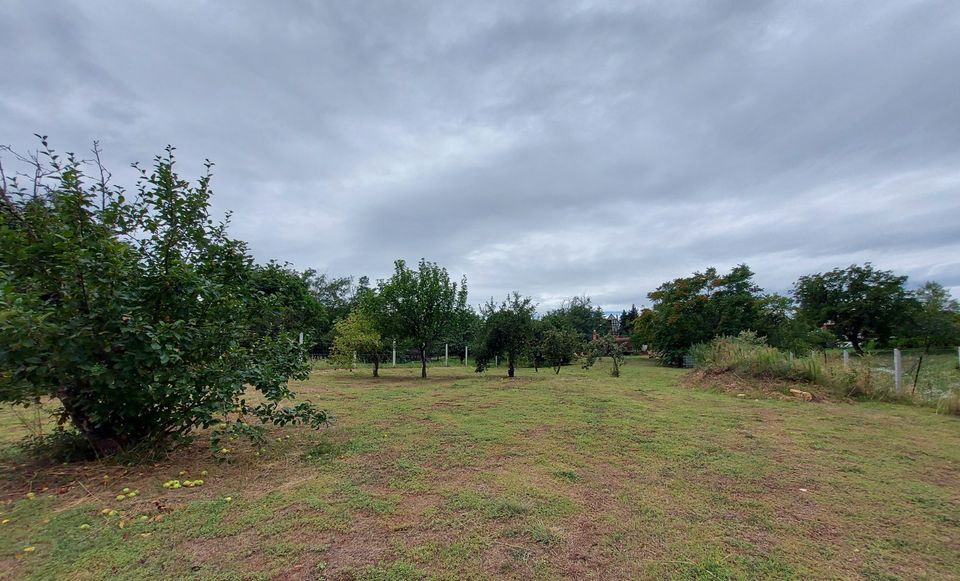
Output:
[[747, 354], [949, 403]]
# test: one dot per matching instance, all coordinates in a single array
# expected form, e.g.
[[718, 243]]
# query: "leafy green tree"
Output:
[[604, 346], [535, 347], [695, 309], [859, 303], [420, 305], [356, 335], [507, 331], [626, 320], [558, 347], [935, 321], [287, 302], [337, 297], [464, 331], [137, 313], [580, 314]]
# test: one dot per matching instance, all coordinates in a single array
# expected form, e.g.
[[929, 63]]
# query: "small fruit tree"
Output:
[[357, 334], [604, 346], [420, 306], [137, 312], [559, 346], [507, 331]]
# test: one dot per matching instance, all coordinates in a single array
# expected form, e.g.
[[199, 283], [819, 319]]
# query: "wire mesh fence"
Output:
[[925, 375]]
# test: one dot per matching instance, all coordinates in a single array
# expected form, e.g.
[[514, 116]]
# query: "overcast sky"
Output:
[[555, 148]]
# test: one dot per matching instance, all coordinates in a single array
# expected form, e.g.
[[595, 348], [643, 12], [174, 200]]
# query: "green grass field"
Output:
[[460, 476]]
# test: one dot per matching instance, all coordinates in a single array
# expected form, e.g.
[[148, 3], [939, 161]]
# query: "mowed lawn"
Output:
[[577, 475]]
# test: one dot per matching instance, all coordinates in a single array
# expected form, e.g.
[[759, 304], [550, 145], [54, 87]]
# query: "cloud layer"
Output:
[[555, 148]]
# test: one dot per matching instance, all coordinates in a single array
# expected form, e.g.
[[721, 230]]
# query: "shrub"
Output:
[[138, 313]]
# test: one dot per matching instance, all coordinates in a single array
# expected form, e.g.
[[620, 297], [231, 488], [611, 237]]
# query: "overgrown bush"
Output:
[[749, 355], [137, 312]]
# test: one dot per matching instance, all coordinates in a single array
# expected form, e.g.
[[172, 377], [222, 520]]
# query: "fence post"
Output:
[[446, 354], [898, 370], [300, 340], [846, 359], [496, 359], [791, 359], [466, 355], [394, 352]]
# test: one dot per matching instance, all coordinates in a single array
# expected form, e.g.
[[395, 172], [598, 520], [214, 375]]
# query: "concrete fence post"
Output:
[[898, 370], [394, 352], [300, 339], [846, 359], [466, 355], [496, 359], [446, 354]]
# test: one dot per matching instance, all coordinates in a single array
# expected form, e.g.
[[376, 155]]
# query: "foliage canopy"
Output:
[[420, 305], [860, 303], [139, 313], [507, 331]]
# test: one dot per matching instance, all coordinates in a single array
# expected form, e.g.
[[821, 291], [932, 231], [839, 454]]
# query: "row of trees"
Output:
[[859, 304], [420, 308], [425, 310], [145, 319]]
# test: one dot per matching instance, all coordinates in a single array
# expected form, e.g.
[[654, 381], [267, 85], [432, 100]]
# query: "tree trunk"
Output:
[[103, 441], [855, 341], [423, 361], [556, 370], [511, 364], [376, 364], [510, 370]]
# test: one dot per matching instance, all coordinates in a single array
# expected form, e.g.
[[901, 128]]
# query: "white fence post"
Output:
[[466, 355], [898, 370], [846, 359], [394, 352], [300, 340], [496, 359], [446, 354]]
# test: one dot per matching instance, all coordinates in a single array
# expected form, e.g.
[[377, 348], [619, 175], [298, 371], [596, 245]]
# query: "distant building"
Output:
[[614, 322]]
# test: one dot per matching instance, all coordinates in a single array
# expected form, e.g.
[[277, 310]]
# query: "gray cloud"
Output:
[[556, 148]]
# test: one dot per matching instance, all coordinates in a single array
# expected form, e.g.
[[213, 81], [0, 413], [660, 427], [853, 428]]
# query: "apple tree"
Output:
[[507, 331], [137, 312], [420, 306]]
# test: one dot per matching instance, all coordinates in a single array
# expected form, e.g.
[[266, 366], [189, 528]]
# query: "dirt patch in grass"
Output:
[[752, 387]]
